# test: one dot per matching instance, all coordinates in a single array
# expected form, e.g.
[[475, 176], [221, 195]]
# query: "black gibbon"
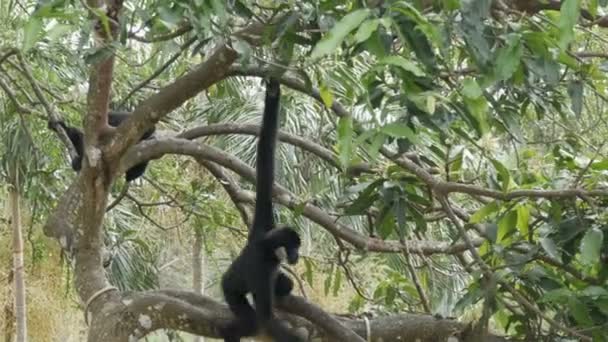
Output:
[[114, 119], [256, 269]]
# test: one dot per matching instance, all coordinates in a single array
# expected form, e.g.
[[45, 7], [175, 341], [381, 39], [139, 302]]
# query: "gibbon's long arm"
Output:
[[263, 219]]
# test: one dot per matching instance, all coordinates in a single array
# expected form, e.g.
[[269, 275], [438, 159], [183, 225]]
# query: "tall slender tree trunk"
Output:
[[197, 268], [18, 269], [9, 312]]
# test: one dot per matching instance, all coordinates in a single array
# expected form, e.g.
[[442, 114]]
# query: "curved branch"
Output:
[[153, 149], [151, 110], [229, 128], [201, 315]]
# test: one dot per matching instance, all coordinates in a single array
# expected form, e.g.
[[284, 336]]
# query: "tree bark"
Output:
[[18, 269], [197, 268], [9, 313]]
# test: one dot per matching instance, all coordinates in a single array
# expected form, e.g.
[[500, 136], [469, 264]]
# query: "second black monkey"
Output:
[[114, 119]]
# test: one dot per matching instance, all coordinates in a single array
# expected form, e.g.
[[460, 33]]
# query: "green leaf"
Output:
[[506, 225], [580, 312], [593, 7], [391, 294], [337, 282], [476, 103], [308, 273], [591, 246], [431, 104], [470, 89], [482, 213], [386, 222], [523, 219], [32, 31], [366, 29], [601, 165], [375, 145], [345, 139], [219, 9], [479, 111], [400, 212], [509, 57], [242, 10], [399, 130], [456, 162], [569, 13], [575, 91], [505, 177], [561, 295], [58, 31], [327, 282], [551, 248], [365, 200], [595, 292], [326, 95], [404, 64], [336, 35], [168, 16], [356, 304]]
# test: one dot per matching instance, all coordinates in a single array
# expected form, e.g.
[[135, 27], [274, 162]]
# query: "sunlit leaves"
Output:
[[509, 57], [366, 29], [504, 176], [476, 103], [591, 246], [32, 31], [169, 16], [404, 64], [523, 219], [365, 199], [484, 212], [579, 311], [326, 95], [506, 225], [473, 27], [575, 91], [398, 130], [308, 273], [569, 13], [345, 139], [551, 248], [336, 35]]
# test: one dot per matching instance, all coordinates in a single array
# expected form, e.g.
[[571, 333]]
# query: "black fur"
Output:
[[114, 119], [256, 269]]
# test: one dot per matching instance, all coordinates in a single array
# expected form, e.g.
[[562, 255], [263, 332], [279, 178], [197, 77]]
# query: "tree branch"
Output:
[[201, 315], [151, 110], [229, 128], [153, 149]]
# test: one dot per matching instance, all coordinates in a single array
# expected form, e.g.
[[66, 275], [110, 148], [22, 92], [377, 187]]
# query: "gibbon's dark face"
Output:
[[287, 244], [292, 246]]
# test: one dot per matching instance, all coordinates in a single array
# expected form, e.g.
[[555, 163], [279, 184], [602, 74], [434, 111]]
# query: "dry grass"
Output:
[[51, 314]]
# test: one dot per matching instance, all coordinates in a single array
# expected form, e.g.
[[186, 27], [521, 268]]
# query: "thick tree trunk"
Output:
[[197, 268], [20, 307]]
